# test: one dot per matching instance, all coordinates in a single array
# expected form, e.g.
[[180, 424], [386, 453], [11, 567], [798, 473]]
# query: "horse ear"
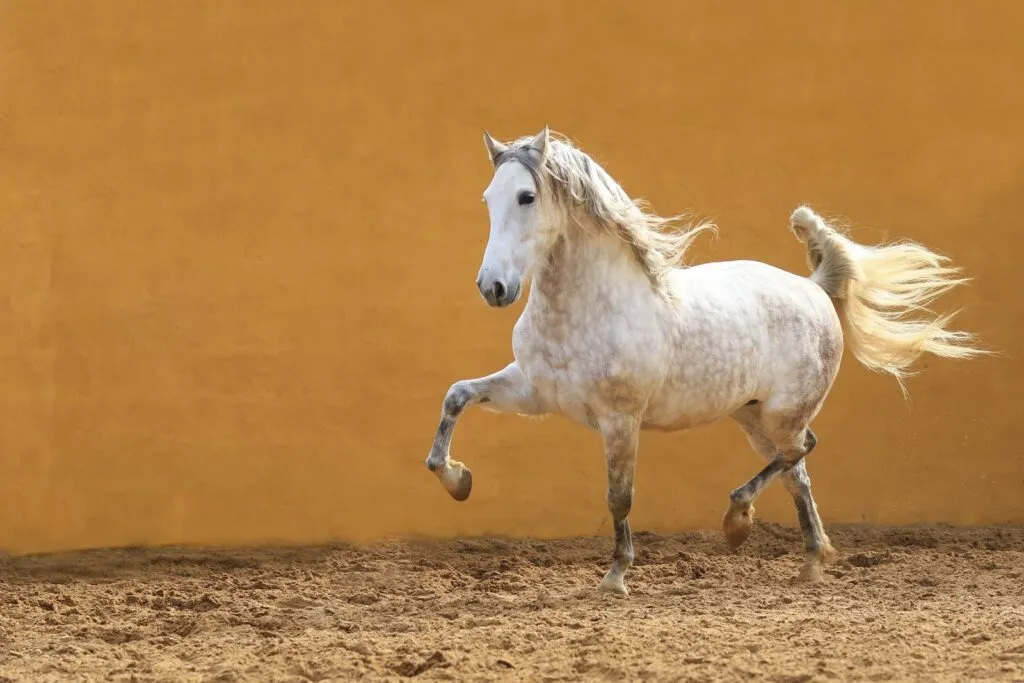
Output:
[[494, 148], [540, 141]]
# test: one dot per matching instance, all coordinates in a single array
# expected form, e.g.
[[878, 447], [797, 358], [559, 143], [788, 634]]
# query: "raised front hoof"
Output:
[[613, 584], [737, 524], [464, 487], [458, 481]]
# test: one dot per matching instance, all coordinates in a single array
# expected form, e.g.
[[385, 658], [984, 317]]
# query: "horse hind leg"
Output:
[[785, 440], [817, 546], [790, 433], [739, 518]]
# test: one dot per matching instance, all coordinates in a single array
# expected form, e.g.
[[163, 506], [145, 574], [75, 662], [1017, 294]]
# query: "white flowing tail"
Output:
[[883, 292]]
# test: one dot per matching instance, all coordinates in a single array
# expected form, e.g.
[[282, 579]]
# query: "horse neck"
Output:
[[592, 270]]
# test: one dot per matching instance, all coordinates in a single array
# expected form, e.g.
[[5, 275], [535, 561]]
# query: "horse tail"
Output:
[[882, 293]]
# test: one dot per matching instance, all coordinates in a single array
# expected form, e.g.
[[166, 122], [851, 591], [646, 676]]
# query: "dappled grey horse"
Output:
[[618, 335]]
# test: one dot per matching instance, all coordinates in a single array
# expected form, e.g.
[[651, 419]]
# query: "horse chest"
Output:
[[551, 367], [572, 369]]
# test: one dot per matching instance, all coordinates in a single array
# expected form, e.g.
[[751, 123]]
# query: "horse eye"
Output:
[[525, 198]]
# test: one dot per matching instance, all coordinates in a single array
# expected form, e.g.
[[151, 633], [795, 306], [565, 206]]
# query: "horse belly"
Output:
[[709, 385], [678, 423], [677, 411]]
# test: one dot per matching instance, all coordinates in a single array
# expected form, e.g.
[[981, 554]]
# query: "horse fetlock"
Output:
[[739, 497], [457, 480], [820, 548], [623, 559], [827, 553], [814, 561], [737, 523], [620, 504]]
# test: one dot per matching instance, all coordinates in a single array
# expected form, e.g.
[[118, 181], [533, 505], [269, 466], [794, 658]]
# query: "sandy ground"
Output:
[[922, 603]]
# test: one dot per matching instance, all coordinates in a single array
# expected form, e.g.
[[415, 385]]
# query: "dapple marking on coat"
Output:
[[617, 334]]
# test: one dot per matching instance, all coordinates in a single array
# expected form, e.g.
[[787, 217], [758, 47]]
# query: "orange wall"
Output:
[[239, 239]]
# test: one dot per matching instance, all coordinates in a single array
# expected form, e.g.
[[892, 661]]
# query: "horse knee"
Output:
[[620, 502], [457, 398]]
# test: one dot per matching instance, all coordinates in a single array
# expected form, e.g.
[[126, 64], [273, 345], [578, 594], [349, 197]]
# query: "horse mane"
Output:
[[594, 200]]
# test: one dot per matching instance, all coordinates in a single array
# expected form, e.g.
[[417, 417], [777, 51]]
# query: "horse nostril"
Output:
[[499, 291]]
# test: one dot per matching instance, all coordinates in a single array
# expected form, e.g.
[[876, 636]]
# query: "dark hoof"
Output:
[[464, 487]]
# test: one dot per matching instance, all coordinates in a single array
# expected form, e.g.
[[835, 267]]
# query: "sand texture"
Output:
[[902, 603]]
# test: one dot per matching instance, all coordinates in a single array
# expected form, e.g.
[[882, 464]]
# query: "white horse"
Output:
[[619, 336]]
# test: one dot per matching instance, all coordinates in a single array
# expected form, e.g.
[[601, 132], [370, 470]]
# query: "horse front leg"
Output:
[[506, 391], [621, 439]]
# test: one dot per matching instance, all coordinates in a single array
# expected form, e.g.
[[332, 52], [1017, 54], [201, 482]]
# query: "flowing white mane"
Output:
[[593, 200]]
